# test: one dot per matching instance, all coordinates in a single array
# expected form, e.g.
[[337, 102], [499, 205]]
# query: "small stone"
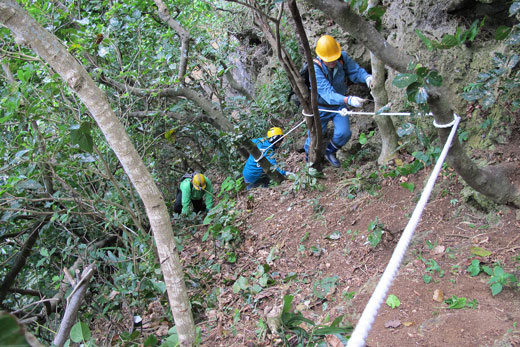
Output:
[[438, 295], [439, 250], [396, 323]]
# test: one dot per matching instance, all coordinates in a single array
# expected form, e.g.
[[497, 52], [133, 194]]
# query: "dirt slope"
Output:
[[313, 235]]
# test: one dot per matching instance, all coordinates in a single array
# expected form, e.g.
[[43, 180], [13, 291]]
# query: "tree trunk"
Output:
[[489, 181], [49, 48], [385, 124], [313, 124], [74, 303]]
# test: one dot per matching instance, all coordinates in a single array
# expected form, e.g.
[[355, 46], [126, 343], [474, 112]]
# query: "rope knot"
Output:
[[344, 112]]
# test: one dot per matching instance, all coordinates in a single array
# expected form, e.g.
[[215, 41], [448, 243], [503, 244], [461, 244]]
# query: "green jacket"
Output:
[[189, 193]]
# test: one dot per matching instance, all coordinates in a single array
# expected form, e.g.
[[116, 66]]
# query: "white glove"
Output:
[[355, 101], [368, 81]]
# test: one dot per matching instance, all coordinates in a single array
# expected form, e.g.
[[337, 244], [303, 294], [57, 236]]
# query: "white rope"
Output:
[[364, 325], [345, 112], [435, 124], [307, 114], [275, 142]]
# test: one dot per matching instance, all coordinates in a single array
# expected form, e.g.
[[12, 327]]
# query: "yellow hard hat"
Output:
[[328, 49], [199, 181], [274, 134]]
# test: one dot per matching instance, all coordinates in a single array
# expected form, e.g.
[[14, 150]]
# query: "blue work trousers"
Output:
[[262, 181], [342, 131]]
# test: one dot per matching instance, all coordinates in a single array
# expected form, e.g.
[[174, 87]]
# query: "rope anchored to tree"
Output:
[[364, 325]]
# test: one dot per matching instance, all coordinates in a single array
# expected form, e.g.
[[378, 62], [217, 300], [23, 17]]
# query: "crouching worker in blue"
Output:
[[194, 189], [331, 68], [254, 175]]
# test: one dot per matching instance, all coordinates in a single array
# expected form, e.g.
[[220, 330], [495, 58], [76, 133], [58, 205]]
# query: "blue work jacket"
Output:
[[252, 170], [332, 88]]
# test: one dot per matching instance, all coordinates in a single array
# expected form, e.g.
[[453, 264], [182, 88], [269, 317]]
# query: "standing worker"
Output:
[[331, 68], [254, 175], [194, 189]]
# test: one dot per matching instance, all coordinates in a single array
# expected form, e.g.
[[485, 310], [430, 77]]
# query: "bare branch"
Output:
[[74, 302], [183, 33], [21, 260]]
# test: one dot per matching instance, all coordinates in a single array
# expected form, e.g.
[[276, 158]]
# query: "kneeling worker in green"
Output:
[[195, 189]]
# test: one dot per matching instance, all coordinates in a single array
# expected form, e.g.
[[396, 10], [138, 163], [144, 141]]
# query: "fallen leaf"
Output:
[[439, 250], [438, 295], [333, 341], [481, 252], [396, 323], [162, 330], [113, 294], [407, 324]]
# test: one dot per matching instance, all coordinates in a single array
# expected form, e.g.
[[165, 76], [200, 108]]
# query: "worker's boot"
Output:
[[330, 154]]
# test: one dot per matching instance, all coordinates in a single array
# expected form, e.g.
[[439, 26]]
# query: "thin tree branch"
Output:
[[74, 303], [183, 33], [21, 260]]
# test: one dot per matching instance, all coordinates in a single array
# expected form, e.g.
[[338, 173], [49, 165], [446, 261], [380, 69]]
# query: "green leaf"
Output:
[[11, 334], [334, 236], [427, 42], [488, 101], [433, 78], [479, 251], [80, 332], [514, 38], [241, 283], [80, 135], [325, 286], [412, 90], [449, 41], [426, 278], [421, 71], [392, 301], [502, 32], [160, 286], [44, 252], [376, 13], [473, 95], [403, 80], [487, 270], [496, 288], [287, 302], [151, 340], [332, 330], [422, 95], [408, 185], [474, 268], [270, 217], [362, 138], [405, 129], [455, 302]]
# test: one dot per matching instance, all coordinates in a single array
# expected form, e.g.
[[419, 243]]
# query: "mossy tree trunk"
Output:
[[385, 124]]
